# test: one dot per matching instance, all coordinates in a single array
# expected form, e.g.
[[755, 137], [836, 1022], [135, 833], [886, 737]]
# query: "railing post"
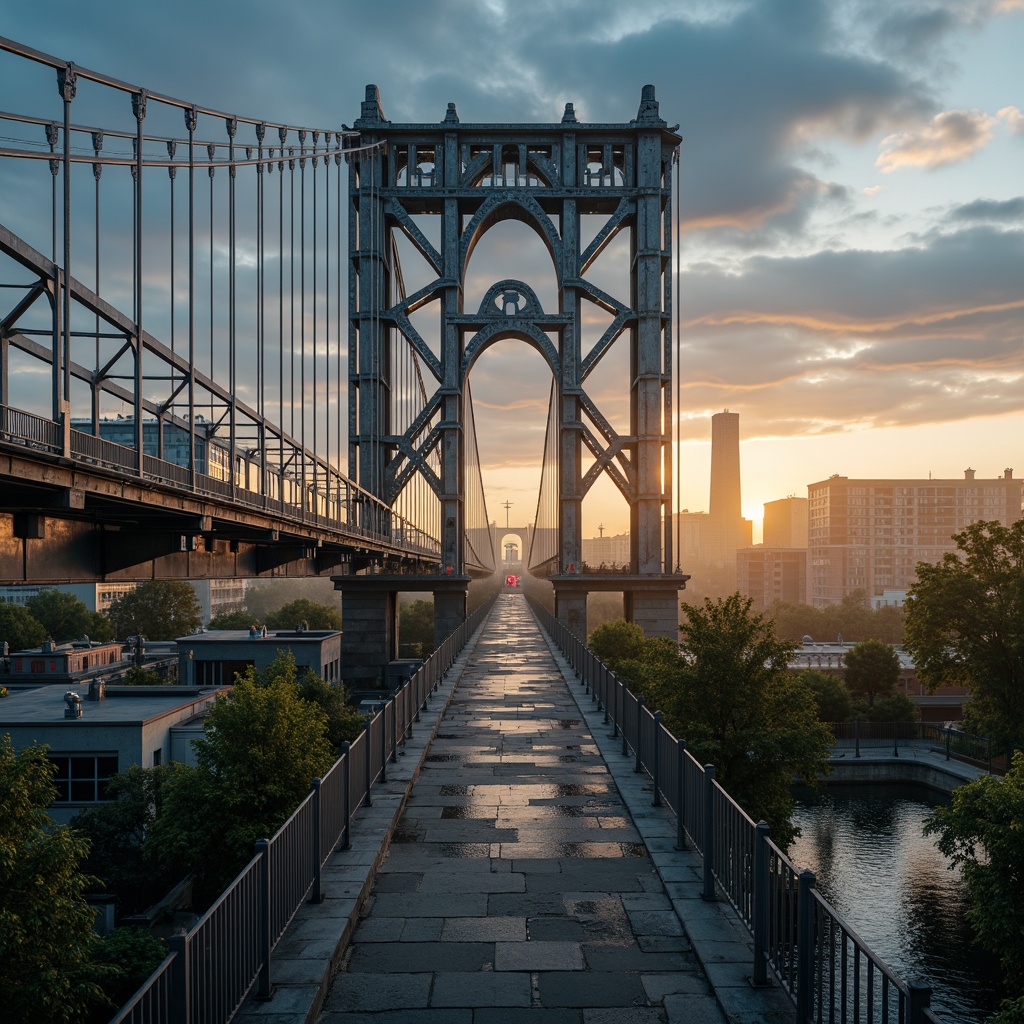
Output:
[[707, 891], [346, 800], [616, 701], [264, 988], [761, 833], [949, 736], [639, 716], [680, 822], [625, 744], [805, 946], [856, 736], [895, 739], [603, 673], [656, 774], [919, 999], [369, 760], [181, 980], [315, 895]]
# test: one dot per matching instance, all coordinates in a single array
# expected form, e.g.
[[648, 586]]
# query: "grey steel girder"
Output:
[[470, 177]]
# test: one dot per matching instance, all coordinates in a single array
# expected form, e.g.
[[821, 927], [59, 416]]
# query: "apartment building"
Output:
[[869, 535]]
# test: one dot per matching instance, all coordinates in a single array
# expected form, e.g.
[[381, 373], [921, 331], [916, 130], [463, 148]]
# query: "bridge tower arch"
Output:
[[468, 177]]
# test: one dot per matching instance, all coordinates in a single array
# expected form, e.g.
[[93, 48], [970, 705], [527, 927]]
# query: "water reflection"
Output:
[[873, 864]]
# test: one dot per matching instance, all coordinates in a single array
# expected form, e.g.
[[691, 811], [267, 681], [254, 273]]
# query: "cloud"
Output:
[[998, 210], [949, 138], [873, 190], [1013, 117]]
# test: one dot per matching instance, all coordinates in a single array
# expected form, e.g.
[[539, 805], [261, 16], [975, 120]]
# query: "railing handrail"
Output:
[[402, 709], [800, 965], [17, 426]]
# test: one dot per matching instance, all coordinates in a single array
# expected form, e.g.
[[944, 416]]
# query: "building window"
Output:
[[82, 778]]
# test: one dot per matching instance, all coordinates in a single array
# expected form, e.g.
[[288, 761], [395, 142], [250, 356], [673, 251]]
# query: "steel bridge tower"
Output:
[[469, 177]]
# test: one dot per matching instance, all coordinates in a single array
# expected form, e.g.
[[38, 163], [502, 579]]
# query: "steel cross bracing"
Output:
[[171, 308], [466, 178]]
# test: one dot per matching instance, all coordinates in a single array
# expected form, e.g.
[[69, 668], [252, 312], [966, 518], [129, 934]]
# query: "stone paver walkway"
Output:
[[517, 888]]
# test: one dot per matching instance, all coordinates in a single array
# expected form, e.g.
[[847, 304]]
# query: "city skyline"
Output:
[[853, 224]]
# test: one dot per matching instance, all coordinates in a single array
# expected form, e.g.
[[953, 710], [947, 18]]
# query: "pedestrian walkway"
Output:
[[517, 887]]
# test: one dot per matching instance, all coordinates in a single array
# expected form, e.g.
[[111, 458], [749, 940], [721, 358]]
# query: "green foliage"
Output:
[[965, 626], [315, 616], [157, 610], [982, 832], [739, 709], [263, 598], [46, 939], [893, 707], [232, 620], [833, 698], [263, 746], [62, 615], [20, 628], [344, 722], [852, 619], [136, 676], [117, 830], [416, 627], [872, 669], [617, 641], [130, 956]]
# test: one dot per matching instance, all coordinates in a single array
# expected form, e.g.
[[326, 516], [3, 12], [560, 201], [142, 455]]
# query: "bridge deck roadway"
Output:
[[520, 887]]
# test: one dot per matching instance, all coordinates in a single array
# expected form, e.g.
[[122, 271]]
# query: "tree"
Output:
[[262, 747], [20, 628], [232, 620], [416, 627], [830, 694], [137, 676], [872, 669], [46, 939], [116, 830], [617, 641], [893, 707], [62, 615], [739, 708], [965, 626], [130, 956], [315, 616], [157, 610], [980, 832]]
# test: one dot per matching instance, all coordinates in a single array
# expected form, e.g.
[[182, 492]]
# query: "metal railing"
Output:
[[339, 504], [827, 969], [891, 736], [213, 968]]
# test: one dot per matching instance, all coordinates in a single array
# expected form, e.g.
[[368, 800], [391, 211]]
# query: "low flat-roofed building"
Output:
[[95, 732], [66, 664], [214, 658]]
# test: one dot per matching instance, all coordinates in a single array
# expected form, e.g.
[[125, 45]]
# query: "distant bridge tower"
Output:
[[468, 177]]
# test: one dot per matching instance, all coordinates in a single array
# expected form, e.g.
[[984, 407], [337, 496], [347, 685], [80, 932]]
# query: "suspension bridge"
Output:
[[204, 318]]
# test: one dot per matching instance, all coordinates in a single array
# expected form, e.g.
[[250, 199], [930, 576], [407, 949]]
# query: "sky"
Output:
[[852, 199]]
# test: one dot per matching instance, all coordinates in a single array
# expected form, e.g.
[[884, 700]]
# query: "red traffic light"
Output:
[[511, 581]]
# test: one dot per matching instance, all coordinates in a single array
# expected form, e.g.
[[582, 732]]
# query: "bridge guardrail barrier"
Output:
[[826, 968], [212, 969], [308, 505]]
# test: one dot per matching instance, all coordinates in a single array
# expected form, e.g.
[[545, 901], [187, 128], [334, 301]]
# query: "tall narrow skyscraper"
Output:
[[725, 467]]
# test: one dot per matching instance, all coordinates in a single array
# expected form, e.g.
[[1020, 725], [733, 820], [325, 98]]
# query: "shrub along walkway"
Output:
[[517, 887]]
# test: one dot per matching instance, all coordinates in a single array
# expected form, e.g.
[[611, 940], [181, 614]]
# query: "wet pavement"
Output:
[[517, 887]]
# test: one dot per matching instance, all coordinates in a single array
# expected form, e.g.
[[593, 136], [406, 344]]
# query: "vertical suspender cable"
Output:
[[282, 135], [302, 309], [211, 152], [316, 451], [261, 330], [97, 170], [190, 124], [232, 128], [139, 110], [679, 368], [172, 173]]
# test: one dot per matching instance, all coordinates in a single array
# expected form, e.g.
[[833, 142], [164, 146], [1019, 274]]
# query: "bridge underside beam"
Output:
[[59, 523]]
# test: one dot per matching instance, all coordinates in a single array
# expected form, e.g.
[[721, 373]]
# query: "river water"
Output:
[[893, 886]]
